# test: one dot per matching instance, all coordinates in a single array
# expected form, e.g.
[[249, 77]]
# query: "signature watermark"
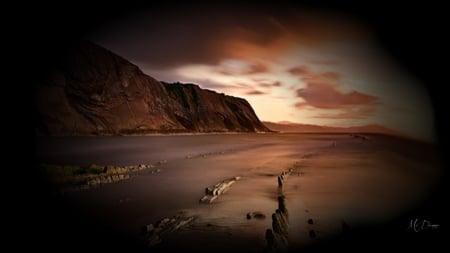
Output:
[[419, 225]]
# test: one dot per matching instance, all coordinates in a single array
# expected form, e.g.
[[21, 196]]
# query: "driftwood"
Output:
[[213, 192], [154, 233]]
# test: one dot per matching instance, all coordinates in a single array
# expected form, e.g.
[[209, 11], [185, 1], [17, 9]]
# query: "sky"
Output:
[[291, 64]]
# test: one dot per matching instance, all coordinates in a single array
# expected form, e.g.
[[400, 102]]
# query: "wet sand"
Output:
[[336, 178]]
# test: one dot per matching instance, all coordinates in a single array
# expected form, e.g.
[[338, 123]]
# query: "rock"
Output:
[[163, 222], [278, 225], [283, 176], [182, 223], [109, 169], [280, 181], [277, 237], [209, 190], [282, 205], [164, 226], [312, 234], [256, 215], [149, 228], [270, 238], [162, 162], [213, 198], [281, 242], [154, 240], [204, 199], [310, 221], [283, 218], [211, 193], [106, 94], [94, 176]]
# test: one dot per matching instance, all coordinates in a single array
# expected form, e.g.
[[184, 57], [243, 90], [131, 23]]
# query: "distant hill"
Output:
[[290, 127], [91, 90]]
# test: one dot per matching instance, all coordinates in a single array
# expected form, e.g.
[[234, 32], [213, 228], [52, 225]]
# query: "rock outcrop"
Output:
[[94, 91], [155, 233], [213, 192], [277, 237], [68, 178]]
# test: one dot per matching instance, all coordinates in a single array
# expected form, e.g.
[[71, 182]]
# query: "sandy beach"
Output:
[[337, 179]]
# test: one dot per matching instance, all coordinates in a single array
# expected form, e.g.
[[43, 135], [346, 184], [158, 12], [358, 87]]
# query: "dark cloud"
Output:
[[257, 68], [322, 92], [172, 36], [270, 85], [301, 70], [255, 92]]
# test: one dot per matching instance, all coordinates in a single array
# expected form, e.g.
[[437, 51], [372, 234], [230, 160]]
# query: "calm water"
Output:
[[356, 181]]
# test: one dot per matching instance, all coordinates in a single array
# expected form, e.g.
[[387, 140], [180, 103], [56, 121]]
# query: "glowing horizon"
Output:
[[304, 67]]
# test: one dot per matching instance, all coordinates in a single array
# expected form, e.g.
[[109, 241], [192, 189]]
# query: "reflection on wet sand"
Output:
[[359, 181]]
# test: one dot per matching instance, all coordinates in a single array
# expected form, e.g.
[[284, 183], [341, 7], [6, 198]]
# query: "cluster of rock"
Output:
[[283, 177], [213, 192], [277, 237], [155, 233], [203, 155], [312, 232], [76, 178], [114, 174]]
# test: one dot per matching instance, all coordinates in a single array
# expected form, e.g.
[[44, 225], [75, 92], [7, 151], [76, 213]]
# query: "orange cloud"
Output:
[[245, 68], [326, 96], [257, 68], [322, 92], [356, 113], [269, 85], [169, 39]]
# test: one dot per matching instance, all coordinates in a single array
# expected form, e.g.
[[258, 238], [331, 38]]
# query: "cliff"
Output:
[[94, 91]]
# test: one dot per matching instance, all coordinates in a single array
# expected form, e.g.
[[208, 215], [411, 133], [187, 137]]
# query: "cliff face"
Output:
[[94, 91]]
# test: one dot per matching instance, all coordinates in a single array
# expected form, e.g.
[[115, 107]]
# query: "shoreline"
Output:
[[330, 168]]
